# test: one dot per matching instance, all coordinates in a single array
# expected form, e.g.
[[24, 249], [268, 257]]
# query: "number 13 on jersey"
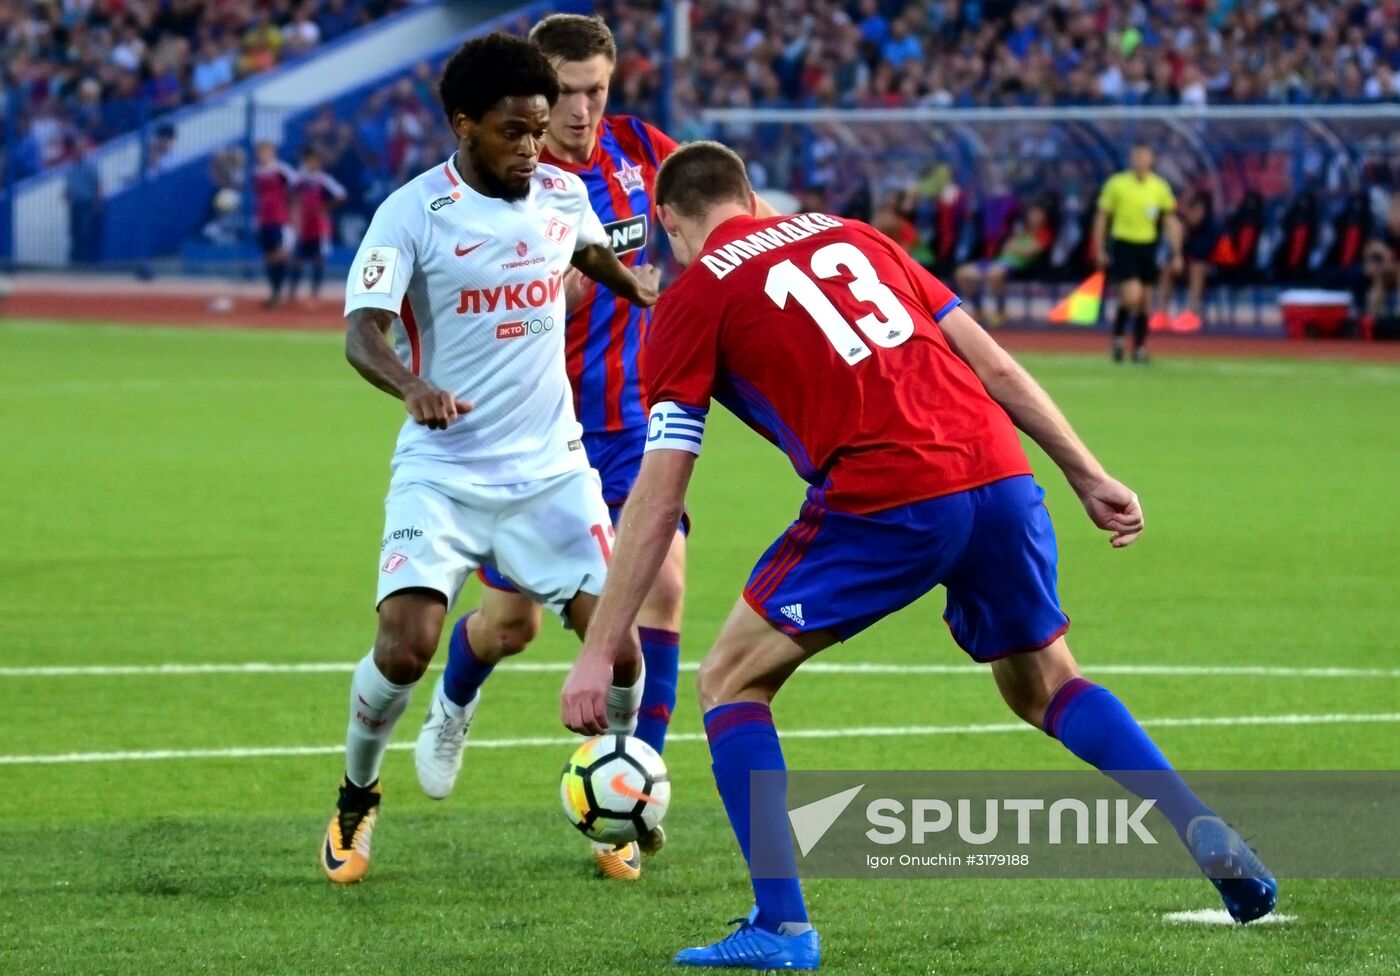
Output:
[[888, 326]]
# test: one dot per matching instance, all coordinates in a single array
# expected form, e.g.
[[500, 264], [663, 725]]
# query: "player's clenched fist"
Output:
[[1114, 507], [648, 284], [433, 408]]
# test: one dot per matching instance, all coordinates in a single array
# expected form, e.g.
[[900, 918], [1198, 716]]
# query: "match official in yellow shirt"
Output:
[[1135, 207]]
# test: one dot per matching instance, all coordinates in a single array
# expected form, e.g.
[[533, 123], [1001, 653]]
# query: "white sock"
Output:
[[375, 706], [451, 708], [624, 701]]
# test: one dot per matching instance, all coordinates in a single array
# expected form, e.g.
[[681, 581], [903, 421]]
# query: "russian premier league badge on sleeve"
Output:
[[377, 271]]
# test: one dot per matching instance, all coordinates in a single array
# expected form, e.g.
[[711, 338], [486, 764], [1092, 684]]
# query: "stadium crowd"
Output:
[[77, 72], [83, 70], [873, 53], [1341, 222]]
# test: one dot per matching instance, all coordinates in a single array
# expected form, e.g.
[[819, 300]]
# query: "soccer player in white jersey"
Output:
[[463, 268]]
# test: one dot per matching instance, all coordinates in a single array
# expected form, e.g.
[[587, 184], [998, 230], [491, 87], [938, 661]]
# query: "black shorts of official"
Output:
[[1133, 262]]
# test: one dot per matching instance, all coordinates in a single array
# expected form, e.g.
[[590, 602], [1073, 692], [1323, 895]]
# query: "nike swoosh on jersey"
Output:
[[464, 251]]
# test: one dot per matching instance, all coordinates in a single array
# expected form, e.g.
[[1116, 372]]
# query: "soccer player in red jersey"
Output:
[[273, 181], [317, 193], [900, 413]]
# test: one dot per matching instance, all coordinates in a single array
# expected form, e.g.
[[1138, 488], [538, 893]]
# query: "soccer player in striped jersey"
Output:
[[617, 157], [317, 194], [273, 183]]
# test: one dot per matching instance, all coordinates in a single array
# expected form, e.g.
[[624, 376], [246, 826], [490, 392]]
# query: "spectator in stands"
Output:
[[1024, 251], [262, 45], [891, 218], [1382, 265], [158, 151], [214, 64], [334, 18], [303, 33], [82, 190]]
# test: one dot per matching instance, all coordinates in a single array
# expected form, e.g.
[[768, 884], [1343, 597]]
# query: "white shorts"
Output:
[[550, 537]]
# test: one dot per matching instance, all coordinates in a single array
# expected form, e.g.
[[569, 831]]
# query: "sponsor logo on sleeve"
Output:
[[441, 202], [376, 272]]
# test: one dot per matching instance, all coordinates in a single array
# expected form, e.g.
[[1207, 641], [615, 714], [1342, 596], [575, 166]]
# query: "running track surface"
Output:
[[221, 305]]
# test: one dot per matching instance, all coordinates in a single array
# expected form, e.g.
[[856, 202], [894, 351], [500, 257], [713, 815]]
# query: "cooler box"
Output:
[[1310, 313]]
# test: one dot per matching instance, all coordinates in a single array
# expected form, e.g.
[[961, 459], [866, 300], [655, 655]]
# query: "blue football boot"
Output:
[[1245, 885], [750, 947]]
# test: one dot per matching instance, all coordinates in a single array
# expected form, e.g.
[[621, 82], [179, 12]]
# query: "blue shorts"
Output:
[[617, 457], [992, 547]]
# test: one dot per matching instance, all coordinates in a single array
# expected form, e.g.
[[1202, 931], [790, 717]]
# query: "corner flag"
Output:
[[1081, 306]]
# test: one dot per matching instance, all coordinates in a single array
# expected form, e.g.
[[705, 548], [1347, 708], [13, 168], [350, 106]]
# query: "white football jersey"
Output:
[[477, 283]]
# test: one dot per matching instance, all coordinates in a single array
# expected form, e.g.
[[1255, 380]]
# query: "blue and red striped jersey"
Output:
[[604, 334]]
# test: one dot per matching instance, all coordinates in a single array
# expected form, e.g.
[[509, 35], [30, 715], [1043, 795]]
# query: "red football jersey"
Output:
[[821, 334], [272, 189], [314, 193]]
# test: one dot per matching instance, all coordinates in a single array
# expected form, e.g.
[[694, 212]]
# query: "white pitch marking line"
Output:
[[1219, 916], [814, 667], [267, 752]]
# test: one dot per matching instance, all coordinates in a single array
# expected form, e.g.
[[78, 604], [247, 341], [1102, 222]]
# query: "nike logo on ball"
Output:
[[464, 251], [622, 787]]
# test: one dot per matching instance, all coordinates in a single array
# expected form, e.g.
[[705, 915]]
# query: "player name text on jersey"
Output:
[[797, 228]]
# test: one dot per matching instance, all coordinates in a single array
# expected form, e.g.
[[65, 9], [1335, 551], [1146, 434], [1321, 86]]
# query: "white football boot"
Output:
[[438, 754]]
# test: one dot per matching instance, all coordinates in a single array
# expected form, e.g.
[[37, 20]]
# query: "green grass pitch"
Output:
[[201, 496]]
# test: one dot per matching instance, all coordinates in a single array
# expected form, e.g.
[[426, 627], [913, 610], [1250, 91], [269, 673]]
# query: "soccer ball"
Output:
[[615, 788]]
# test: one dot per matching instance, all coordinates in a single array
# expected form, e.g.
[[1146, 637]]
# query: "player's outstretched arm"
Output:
[[654, 508], [1111, 505], [639, 285], [367, 349]]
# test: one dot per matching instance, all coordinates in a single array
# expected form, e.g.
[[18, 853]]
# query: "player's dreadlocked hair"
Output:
[[487, 69], [699, 175], [574, 37]]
